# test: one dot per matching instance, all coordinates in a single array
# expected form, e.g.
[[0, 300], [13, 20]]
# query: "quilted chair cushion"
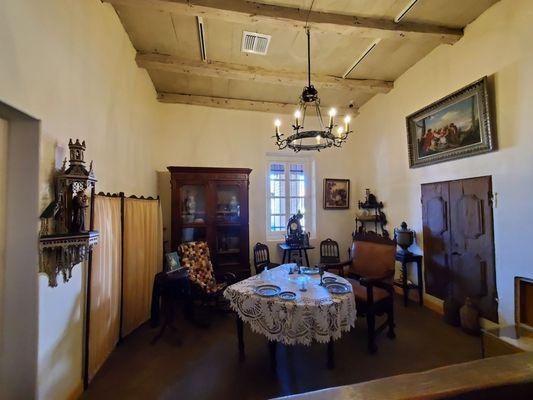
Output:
[[196, 258]]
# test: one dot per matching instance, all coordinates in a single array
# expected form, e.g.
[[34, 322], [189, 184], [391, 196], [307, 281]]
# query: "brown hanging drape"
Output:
[[105, 282], [143, 258]]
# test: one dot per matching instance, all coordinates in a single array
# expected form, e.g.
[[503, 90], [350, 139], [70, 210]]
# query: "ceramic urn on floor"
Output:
[[470, 318]]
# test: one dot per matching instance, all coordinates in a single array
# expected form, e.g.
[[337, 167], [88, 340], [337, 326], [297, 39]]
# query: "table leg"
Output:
[[272, 349], [420, 283], [284, 255], [240, 337], [331, 355], [307, 258], [404, 283], [289, 253]]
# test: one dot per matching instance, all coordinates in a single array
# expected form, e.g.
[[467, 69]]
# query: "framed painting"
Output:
[[336, 194], [456, 126], [173, 261]]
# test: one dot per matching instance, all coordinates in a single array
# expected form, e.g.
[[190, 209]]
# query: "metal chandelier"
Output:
[[331, 135]]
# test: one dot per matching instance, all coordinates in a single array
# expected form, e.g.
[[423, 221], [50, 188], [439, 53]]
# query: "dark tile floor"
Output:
[[206, 365]]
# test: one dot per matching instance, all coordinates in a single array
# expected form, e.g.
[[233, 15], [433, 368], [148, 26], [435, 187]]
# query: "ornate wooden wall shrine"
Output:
[[64, 240]]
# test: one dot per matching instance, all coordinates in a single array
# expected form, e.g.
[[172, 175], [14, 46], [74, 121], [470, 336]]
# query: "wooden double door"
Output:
[[459, 242]]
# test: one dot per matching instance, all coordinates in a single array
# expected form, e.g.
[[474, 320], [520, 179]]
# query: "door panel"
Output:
[[473, 269], [435, 200]]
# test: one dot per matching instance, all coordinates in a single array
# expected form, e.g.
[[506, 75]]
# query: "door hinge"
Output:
[[493, 199]]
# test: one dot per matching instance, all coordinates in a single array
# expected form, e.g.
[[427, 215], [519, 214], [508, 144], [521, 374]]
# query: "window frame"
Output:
[[309, 197]]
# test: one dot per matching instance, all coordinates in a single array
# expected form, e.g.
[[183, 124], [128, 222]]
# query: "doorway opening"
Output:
[[19, 264]]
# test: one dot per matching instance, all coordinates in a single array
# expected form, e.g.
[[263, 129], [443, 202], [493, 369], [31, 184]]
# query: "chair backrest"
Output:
[[196, 258], [261, 255], [372, 255], [329, 252]]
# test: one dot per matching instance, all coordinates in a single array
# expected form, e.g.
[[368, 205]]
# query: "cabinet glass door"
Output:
[[228, 240], [193, 204], [228, 207]]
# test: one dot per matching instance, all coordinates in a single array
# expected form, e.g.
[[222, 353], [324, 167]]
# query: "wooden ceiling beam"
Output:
[[221, 70], [246, 12], [238, 104]]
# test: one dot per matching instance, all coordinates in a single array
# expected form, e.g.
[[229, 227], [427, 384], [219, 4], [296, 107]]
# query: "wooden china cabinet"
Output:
[[211, 204]]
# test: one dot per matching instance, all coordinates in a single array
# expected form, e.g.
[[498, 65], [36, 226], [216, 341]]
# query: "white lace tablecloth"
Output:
[[315, 315]]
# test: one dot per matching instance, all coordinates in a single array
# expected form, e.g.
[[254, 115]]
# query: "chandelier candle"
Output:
[[277, 123], [332, 114], [347, 123], [324, 135], [297, 116]]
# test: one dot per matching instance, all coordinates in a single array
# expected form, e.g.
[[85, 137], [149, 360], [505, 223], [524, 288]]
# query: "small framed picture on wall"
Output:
[[336, 194]]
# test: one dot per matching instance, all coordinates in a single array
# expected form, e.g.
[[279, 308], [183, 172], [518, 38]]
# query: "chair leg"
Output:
[[371, 324], [390, 320]]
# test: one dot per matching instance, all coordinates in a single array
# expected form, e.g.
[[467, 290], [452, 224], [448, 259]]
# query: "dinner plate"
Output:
[[267, 290], [287, 295], [310, 270], [329, 279], [338, 288]]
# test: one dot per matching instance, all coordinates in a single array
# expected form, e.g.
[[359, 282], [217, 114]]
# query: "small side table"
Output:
[[170, 287], [406, 258], [287, 251]]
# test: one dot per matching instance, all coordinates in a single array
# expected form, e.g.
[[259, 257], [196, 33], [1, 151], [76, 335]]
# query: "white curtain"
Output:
[[143, 258], [105, 282]]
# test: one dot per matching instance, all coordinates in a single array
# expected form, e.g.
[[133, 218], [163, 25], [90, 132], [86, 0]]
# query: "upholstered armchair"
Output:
[[206, 286], [370, 271], [262, 258]]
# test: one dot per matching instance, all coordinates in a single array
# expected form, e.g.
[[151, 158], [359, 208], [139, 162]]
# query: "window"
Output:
[[290, 188]]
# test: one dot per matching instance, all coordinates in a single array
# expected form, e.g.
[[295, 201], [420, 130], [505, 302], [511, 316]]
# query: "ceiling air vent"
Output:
[[255, 43]]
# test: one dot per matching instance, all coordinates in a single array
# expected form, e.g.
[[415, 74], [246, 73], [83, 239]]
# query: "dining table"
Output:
[[293, 306]]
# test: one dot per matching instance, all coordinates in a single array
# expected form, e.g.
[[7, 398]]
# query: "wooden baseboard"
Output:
[[76, 392], [430, 302], [434, 304]]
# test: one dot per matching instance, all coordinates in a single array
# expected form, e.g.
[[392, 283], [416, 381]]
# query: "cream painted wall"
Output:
[[71, 65], [3, 176], [210, 137], [497, 44]]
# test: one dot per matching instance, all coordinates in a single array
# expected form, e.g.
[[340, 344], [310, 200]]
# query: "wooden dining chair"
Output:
[[330, 258], [329, 252], [371, 272], [262, 258]]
